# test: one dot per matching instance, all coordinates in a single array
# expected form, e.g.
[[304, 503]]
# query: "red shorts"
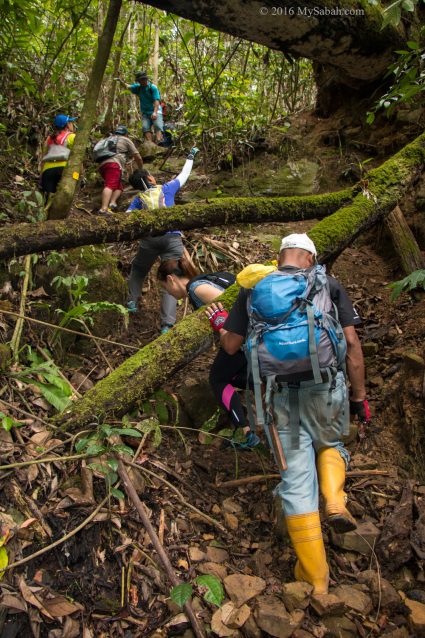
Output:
[[111, 173]]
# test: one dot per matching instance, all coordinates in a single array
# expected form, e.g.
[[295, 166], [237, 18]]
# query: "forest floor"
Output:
[[107, 581]]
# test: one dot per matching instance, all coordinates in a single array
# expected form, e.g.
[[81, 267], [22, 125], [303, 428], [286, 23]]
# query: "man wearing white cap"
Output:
[[314, 451]]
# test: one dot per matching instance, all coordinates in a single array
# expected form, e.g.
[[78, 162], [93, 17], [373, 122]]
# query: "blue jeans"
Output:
[[299, 489], [148, 122]]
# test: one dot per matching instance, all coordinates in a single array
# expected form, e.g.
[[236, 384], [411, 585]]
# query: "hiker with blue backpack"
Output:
[[181, 280], [297, 325], [112, 153], [168, 245], [150, 105]]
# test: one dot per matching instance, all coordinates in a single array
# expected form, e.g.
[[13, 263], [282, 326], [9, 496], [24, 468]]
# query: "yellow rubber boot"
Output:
[[331, 471], [305, 533]]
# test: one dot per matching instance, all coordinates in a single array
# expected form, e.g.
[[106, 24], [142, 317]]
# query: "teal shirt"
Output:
[[147, 95]]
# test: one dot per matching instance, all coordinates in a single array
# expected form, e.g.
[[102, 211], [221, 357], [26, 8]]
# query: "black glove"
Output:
[[193, 152], [361, 410]]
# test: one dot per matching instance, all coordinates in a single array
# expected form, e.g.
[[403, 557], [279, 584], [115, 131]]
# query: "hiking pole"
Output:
[[276, 445]]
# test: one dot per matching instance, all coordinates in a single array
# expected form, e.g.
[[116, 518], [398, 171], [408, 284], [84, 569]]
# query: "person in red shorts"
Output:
[[112, 167]]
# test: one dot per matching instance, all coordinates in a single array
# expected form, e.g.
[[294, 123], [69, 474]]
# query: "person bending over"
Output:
[[181, 280], [168, 245]]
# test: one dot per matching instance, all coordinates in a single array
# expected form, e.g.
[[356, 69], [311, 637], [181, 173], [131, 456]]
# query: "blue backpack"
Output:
[[294, 334]]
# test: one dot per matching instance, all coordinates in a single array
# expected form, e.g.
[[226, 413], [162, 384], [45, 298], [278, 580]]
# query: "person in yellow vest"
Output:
[[169, 245], [57, 149]]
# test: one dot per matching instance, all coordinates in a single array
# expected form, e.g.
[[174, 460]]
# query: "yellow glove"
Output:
[[252, 274]]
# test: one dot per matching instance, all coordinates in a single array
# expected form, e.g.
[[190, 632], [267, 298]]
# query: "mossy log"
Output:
[[404, 242], [23, 239], [157, 362]]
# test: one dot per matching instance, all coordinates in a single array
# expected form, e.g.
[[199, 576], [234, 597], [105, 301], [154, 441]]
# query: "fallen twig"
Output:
[[259, 478], [52, 459], [133, 496], [16, 338], [62, 329]]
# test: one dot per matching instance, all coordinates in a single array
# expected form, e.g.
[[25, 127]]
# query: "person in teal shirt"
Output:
[[150, 106]]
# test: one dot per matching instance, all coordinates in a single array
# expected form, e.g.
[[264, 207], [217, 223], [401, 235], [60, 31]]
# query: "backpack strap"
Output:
[[254, 369], [294, 414], [312, 347]]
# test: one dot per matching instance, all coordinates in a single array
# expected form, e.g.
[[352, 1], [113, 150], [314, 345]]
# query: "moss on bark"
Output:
[[22, 239]]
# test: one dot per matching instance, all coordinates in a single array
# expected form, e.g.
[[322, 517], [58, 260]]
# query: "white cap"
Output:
[[298, 240]]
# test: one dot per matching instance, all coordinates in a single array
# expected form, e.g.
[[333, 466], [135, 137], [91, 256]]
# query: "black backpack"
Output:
[[223, 279], [106, 148]]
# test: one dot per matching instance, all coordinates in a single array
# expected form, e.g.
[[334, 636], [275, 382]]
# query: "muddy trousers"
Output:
[[168, 246], [227, 373], [299, 488]]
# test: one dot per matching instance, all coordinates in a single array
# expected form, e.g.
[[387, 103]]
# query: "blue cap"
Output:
[[61, 121], [121, 130]]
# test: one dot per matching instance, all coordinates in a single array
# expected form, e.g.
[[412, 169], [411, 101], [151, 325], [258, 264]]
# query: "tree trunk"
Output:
[[155, 55], [157, 362], [405, 244], [346, 36], [22, 239], [108, 125], [64, 196]]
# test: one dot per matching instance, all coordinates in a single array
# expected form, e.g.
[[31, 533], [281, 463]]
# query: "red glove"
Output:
[[217, 319], [360, 409]]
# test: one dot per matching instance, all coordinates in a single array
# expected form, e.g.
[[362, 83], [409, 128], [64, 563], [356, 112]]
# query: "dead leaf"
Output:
[[27, 523], [32, 473], [29, 593], [39, 292], [13, 602], [41, 403], [19, 179], [60, 606], [71, 628]]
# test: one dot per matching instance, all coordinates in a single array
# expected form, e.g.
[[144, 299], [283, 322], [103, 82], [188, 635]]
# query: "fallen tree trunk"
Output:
[[24, 239], [157, 362], [404, 242]]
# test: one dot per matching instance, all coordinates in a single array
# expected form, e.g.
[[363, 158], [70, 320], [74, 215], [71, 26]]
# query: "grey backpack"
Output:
[[106, 148]]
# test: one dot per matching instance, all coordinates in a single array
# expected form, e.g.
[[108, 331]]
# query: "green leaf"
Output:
[[106, 429], [392, 15], [113, 464], [128, 432], [415, 280], [161, 412], [124, 449], [180, 594], [408, 5], [215, 592], [117, 493], [94, 449], [4, 561], [8, 423], [53, 395], [81, 444]]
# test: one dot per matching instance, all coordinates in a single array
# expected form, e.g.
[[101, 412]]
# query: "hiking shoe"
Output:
[[251, 441], [112, 208], [132, 306], [165, 329], [102, 211]]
